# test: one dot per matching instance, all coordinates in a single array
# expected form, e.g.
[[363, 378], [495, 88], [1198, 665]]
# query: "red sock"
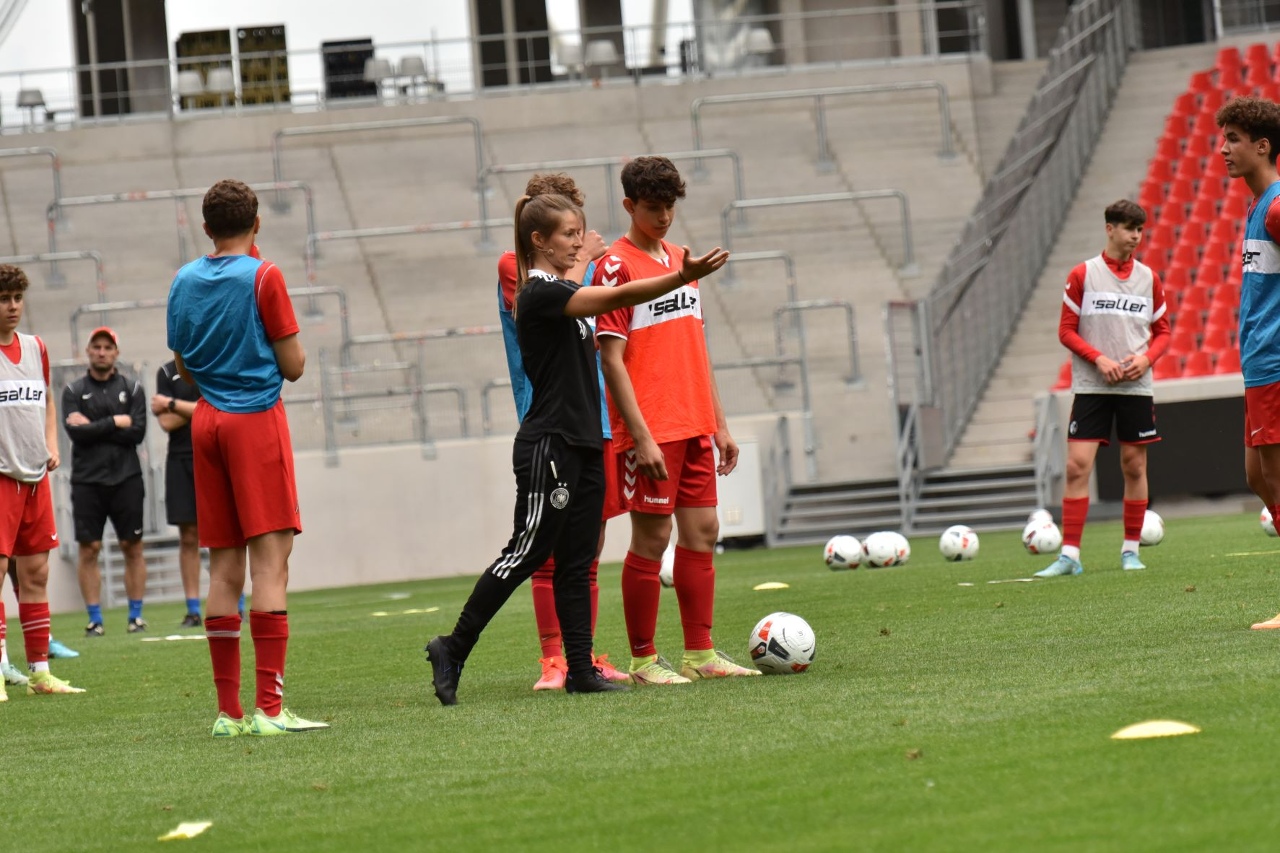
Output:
[[224, 653], [1273, 513], [695, 581], [593, 577], [1135, 512], [2, 621], [270, 632], [1074, 512], [641, 591], [544, 609], [35, 631]]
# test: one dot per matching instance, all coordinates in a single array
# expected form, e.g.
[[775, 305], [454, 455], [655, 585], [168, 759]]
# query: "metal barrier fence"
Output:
[[55, 164], [819, 96], [1240, 16], [118, 92], [312, 250], [909, 266], [56, 279], [943, 351], [610, 185], [277, 141]]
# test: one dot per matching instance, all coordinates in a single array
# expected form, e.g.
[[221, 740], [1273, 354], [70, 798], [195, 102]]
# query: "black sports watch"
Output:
[[172, 405]]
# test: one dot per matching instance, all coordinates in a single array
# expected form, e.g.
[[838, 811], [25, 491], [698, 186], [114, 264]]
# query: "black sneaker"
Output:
[[136, 625], [191, 620], [93, 629], [593, 682], [445, 672]]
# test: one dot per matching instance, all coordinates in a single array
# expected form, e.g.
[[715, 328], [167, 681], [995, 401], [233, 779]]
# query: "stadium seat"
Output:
[[1208, 276], [1193, 306], [1198, 363], [1202, 83], [1235, 205], [1205, 207], [1175, 281], [1228, 361], [1227, 232], [1169, 366], [1206, 125], [1221, 313], [1258, 75], [1211, 99], [1228, 57], [1169, 146], [1160, 170], [1216, 337], [1187, 254], [1215, 168], [1182, 340], [1270, 91], [1257, 54], [1180, 192], [1226, 295], [1186, 104], [1151, 196], [1199, 146], [1216, 252], [1064, 377], [1231, 78]]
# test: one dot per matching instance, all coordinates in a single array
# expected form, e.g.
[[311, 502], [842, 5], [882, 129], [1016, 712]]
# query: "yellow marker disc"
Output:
[[771, 585], [1155, 728]]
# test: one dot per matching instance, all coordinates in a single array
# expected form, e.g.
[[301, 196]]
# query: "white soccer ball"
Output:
[[667, 573], [958, 543], [782, 644], [1152, 529], [1268, 524], [1041, 537], [842, 552], [880, 550], [902, 548], [1040, 514]]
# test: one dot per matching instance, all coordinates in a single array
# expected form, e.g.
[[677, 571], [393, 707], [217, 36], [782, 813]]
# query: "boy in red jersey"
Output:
[[234, 337], [666, 415], [28, 452], [1113, 321]]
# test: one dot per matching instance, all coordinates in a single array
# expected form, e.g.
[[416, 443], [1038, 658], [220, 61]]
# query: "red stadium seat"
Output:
[[1258, 75], [1220, 313], [1216, 337], [1186, 104], [1063, 381], [1256, 54], [1193, 307], [1228, 57], [1215, 167], [1199, 147], [1235, 205], [1181, 340], [1226, 232], [1207, 126], [1201, 83], [1208, 276], [1180, 192], [1169, 146], [1160, 170], [1175, 281], [1187, 254], [1169, 366], [1172, 299], [1226, 295], [1177, 125], [1231, 78], [1198, 363], [1211, 99], [1270, 91], [1228, 361], [1205, 207]]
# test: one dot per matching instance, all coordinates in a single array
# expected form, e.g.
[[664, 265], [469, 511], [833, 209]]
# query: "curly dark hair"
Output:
[[1257, 117], [230, 208], [13, 279], [1125, 212], [652, 179], [557, 183]]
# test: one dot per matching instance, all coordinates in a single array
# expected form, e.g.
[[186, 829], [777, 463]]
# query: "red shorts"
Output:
[[1262, 415], [691, 478], [27, 524], [244, 475], [612, 497]]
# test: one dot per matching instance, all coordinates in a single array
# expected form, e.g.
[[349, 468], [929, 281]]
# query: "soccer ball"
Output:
[[902, 548], [782, 644], [1041, 537], [842, 552], [958, 543], [667, 573], [1040, 514], [1268, 524], [1152, 529], [879, 550]]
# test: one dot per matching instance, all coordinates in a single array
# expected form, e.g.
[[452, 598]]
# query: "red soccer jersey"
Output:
[[666, 355], [507, 278]]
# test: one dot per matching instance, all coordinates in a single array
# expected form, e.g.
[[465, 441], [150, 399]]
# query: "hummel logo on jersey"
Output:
[[612, 268], [678, 302], [1146, 433], [662, 501]]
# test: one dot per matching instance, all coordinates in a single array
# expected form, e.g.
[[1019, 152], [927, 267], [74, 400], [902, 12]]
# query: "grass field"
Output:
[[936, 717]]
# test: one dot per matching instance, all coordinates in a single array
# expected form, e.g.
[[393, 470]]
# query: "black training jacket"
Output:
[[102, 453]]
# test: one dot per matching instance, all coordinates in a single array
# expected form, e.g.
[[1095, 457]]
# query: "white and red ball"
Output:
[[782, 644], [958, 543], [1041, 537], [842, 552]]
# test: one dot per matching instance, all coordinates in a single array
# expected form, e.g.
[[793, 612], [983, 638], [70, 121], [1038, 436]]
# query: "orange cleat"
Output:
[[554, 669]]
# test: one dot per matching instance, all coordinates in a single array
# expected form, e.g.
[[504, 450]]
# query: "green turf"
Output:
[[936, 717]]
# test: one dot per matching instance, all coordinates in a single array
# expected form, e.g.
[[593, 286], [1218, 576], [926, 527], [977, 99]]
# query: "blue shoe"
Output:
[[57, 650], [1129, 561], [1064, 565]]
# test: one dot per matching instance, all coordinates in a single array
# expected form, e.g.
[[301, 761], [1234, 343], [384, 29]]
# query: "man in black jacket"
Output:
[[105, 414]]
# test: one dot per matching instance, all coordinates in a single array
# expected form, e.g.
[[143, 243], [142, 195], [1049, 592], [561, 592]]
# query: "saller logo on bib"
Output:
[[679, 302], [560, 498]]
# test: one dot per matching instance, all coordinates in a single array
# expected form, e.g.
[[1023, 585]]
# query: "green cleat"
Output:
[[46, 684], [228, 726], [654, 670], [719, 665], [1129, 561], [1064, 565], [13, 675], [283, 723]]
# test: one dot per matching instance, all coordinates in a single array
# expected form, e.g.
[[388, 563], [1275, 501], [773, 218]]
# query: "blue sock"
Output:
[[135, 608], [95, 613], [240, 607], [193, 606]]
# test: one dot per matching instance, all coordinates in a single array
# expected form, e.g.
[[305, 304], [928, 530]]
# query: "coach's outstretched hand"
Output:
[[696, 268]]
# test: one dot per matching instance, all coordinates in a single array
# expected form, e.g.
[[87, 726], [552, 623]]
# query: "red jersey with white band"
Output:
[[666, 355], [1113, 309]]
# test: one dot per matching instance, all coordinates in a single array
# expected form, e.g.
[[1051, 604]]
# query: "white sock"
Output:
[[39, 666], [4, 652], [1071, 551], [1130, 545]]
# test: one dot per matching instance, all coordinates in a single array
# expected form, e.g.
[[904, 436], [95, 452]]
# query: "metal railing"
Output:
[[825, 161], [56, 279], [55, 164], [909, 266], [1241, 16], [944, 348], [277, 141], [314, 239], [609, 164]]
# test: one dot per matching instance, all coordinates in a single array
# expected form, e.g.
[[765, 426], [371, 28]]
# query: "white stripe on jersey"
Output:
[[1261, 256], [22, 392], [1123, 304]]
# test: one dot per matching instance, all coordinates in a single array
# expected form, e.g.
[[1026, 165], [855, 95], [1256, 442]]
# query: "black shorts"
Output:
[[1134, 416], [180, 490], [92, 505]]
